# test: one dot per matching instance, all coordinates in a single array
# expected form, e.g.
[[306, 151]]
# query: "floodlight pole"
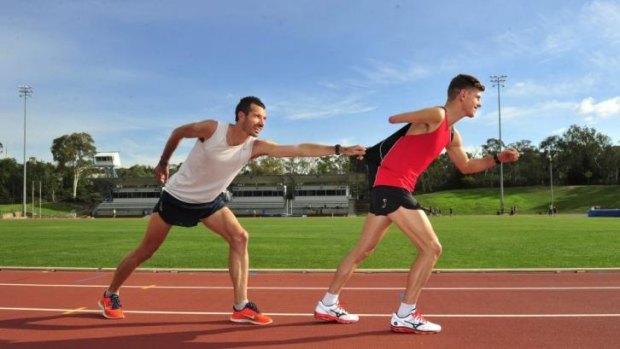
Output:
[[498, 81], [24, 91], [551, 177]]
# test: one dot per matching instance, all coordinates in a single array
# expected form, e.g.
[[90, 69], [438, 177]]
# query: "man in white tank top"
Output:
[[193, 195]]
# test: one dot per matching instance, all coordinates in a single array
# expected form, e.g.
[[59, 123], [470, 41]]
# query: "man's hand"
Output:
[[354, 150], [508, 155], [162, 172]]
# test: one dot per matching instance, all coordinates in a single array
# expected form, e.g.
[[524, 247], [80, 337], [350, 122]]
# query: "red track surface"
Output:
[[190, 310]]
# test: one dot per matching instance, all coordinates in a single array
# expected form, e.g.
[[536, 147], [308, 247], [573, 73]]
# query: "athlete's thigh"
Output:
[[415, 224], [223, 222], [156, 232], [375, 227]]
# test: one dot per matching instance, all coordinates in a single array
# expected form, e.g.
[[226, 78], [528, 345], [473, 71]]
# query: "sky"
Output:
[[329, 71]]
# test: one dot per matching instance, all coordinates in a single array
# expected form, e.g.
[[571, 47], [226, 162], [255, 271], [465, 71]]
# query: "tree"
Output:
[[549, 149], [582, 152], [74, 152], [611, 168], [526, 171], [136, 171], [10, 181], [264, 166], [325, 165], [296, 166]]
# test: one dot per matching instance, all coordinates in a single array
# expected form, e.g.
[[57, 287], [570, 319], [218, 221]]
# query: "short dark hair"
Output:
[[462, 81], [245, 105]]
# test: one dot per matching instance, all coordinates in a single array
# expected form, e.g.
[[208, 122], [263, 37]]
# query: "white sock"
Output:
[[405, 310], [240, 306], [330, 299]]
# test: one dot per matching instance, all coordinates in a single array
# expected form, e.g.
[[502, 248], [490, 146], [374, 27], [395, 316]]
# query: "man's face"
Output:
[[472, 100], [254, 121]]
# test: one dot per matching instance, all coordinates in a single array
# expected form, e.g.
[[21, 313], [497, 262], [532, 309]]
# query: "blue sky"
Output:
[[128, 72]]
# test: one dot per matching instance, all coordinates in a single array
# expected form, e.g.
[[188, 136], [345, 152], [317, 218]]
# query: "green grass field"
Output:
[[46, 209], [530, 200], [522, 241]]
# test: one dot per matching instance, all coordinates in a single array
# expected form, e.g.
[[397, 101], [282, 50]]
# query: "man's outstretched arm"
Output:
[[262, 147], [461, 160]]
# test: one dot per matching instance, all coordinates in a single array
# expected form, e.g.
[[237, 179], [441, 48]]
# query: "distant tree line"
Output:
[[580, 156]]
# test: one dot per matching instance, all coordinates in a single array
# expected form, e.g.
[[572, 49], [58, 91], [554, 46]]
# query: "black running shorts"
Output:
[[176, 212], [386, 199]]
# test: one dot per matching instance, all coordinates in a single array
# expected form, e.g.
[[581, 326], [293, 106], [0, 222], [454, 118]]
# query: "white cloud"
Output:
[[602, 110], [525, 114], [384, 73], [604, 19], [566, 34], [551, 89], [322, 109]]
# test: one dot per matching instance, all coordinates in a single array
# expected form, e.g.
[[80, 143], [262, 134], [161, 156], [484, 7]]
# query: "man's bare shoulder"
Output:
[[208, 125]]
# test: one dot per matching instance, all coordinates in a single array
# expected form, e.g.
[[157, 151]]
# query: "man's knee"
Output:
[[365, 253], [239, 238], [433, 249], [144, 253], [436, 249]]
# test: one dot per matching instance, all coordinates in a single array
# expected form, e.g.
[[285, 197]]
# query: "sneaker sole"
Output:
[[399, 329], [329, 318], [106, 315], [250, 321]]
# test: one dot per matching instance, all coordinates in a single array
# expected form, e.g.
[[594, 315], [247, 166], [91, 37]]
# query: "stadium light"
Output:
[[498, 81], [25, 91]]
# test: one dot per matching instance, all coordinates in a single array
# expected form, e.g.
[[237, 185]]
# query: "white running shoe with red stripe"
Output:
[[414, 323], [334, 313]]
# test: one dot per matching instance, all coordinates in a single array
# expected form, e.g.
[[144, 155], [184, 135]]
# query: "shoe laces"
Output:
[[116, 302], [418, 316], [340, 307]]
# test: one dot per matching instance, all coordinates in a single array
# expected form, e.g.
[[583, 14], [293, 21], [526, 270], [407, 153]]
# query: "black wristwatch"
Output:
[[496, 158], [337, 149]]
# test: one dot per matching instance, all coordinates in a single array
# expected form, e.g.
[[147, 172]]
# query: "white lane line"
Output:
[[299, 288], [207, 313]]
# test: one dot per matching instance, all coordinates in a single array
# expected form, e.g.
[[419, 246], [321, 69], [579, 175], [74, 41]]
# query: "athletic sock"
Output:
[[240, 306], [405, 310], [109, 294], [330, 299]]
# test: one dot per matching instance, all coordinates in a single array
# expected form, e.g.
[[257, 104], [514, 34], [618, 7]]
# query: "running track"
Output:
[[57, 309]]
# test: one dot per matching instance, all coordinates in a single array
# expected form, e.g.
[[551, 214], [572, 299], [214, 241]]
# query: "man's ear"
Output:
[[462, 94]]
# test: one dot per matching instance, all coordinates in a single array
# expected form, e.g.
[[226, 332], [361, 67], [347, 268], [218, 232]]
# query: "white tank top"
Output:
[[209, 168]]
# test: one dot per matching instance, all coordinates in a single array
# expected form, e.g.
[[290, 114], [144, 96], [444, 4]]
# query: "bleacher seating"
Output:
[[249, 196]]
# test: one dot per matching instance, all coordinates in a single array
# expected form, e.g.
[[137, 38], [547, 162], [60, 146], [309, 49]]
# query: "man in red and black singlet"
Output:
[[394, 166]]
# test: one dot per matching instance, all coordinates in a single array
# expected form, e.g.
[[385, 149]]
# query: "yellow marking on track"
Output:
[[74, 310], [149, 286]]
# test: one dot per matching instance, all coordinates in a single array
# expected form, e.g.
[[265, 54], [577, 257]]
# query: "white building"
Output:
[[107, 163]]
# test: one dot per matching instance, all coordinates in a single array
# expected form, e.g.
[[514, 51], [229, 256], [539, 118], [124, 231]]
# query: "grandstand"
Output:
[[258, 200], [129, 202], [295, 195], [284, 195], [321, 200]]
